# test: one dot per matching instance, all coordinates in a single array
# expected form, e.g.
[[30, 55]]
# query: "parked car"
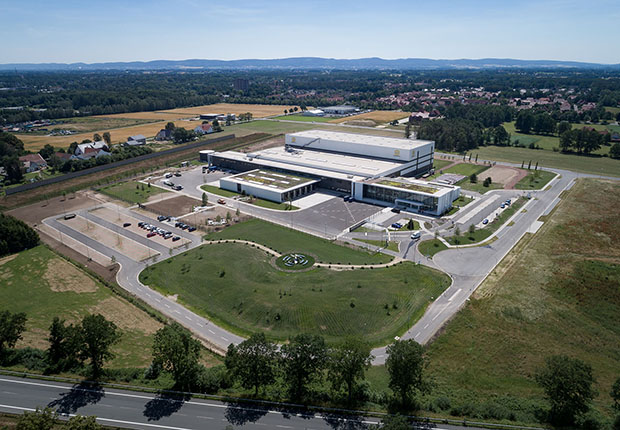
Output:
[[69, 216], [397, 225], [175, 238], [168, 175], [221, 201], [178, 187], [161, 218], [150, 234], [127, 224], [503, 205], [508, 202], [191, 228], [485, 221], [396, 210], [177, 174], [416, 235], [167, 182]]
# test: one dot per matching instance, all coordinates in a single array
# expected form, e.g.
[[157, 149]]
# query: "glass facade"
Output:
[[389, 195]]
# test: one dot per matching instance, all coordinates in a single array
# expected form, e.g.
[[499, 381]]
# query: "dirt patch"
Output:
[[175, 206], [503, 175], [361, 122], [62, 276], [380, 116], [33, 214], [125, 316], [264, 144], [7, 259]]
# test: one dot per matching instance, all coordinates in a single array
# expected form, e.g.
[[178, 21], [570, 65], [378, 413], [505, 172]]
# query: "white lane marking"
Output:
[[224, 339], [211, 331], [167, 305], [438, 313], [157, 426], [426, 326], [418, 334], [188, 317], [455, 294]]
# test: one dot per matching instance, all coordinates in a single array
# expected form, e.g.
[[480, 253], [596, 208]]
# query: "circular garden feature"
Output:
[[294, 261]]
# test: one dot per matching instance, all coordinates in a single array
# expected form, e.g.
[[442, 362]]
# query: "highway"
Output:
[[137, 410]]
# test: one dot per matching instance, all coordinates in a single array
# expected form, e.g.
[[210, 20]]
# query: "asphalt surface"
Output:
[[137, 410]]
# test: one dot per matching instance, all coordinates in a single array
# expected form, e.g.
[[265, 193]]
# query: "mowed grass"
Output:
[[577, 163], [431, 247], [463, 168], [43, 285], [555, 293], [535, 180], [379, 116], [440, 164], [284, 240], [236, 285], [299, 117], [132, 192], [282, 206]]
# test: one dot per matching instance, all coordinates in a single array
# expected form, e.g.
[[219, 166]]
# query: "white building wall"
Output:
[[260, 192]]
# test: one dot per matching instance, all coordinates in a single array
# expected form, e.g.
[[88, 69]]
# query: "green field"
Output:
[[299, 117], [256, 201], [43, 285], [462, 168], [236, 285], [440, 164], [431, 247], [283, 240], [132, 192], [576, 163], [555, 293], [535, 180]]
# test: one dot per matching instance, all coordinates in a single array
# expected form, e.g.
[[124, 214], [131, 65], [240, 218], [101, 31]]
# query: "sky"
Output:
[[90, 31]]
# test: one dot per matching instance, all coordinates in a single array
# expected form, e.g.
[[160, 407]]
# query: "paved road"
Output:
[[136, 410]]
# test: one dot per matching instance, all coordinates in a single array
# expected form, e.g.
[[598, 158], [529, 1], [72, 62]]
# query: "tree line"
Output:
[[15, 235]]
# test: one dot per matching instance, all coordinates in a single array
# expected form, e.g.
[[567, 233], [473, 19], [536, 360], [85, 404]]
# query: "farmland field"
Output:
[[379, 116], [562, 280], [299, 117], [258, 111], [283, 240], [237, 286]]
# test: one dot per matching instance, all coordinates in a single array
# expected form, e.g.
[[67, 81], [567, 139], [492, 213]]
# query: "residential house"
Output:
[[204, 129], [164, 134], [32, 162], [81, 149], [92, 152], [63, 156]]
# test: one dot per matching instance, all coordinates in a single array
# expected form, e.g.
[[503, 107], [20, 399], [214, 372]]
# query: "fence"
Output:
[[104, 167]]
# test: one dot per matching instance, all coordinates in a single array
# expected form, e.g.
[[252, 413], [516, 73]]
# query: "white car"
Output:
[[416, 235]]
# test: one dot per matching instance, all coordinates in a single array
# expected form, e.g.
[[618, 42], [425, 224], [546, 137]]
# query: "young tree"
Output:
[[253, 362], [568, 385], [80, 422], [472, 229], [11, 327], [303, 359], [40, 419], [563, 126], [107, 138], [407, 131], [347, 363], [487, 182], [614, 151], [228, 216], [98, 336], [410, 224], [177, 352], [205, 199], [405, 365], [473, 178], [170, 126], [47, 151], [97, 137]]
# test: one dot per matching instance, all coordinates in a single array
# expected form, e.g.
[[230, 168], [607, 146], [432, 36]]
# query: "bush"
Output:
[[30, 358], [213, 379], [15, 235]]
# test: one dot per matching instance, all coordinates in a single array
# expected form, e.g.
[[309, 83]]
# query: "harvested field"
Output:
[[34, 213], [109, 238], [258, 111], [118, 135], [503, 175], [123, 315], [112, 216], [361, 122], [378, 116], [174, 206], [154, 115], [63, 276]]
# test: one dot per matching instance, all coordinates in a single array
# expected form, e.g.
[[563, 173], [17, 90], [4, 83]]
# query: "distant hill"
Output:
[[373, 63]]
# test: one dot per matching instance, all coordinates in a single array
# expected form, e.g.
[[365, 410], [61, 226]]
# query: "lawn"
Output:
[[283, 240], [431, 247], [478, 187], [132, 192], [578, 163], [298, 117], [255, 201], [236, 285], [535, 180], [462, 201], [43, 285], [463, 168], [440, 164], [555, 293]]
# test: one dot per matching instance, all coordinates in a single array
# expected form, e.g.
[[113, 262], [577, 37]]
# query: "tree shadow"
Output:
[[345, 422], [163, 406], [240, 414], [79, 396]]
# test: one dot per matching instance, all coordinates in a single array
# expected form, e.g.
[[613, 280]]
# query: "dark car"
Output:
[[161, 218], [485, 221], [127, 224], [396, 210], [397, 225], [221, 201], [175, 238], [177, 174], [178, 187], [191, 228], [151, 234]]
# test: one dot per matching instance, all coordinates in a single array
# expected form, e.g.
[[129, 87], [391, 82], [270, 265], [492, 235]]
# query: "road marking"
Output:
[[211, 331], [223, 338], [167, 305], [438, 313], [426, 326], [455, 294], [158, 426], [188, 317], [418, 334]]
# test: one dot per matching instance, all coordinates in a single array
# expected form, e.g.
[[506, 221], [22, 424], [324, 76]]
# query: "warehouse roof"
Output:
[[362, 139]]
